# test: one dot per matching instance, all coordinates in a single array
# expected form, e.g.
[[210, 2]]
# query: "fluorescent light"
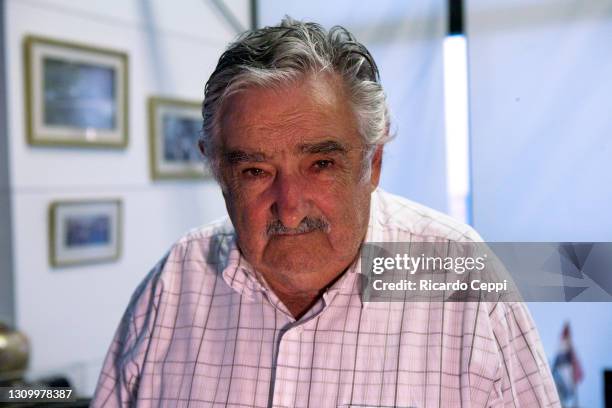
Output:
[[456, 125]]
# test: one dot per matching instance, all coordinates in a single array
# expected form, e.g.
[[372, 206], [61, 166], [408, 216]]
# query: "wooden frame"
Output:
[[75, 95], [84, 231], [181, 159]]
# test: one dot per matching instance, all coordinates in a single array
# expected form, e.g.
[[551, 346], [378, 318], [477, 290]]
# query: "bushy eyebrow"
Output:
[[328, 146], [234, 157], [240, 156]]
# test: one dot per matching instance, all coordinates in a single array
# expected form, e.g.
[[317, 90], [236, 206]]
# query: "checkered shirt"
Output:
[[202, 331]]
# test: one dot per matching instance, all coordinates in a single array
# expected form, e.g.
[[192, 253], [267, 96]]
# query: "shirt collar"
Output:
[[236, 271]]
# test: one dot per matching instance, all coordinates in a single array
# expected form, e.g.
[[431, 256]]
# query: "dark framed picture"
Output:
[[174, 127], [76, 95], [84, 231]]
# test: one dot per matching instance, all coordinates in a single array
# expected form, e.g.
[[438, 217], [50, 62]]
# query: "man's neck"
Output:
[[298, 305]]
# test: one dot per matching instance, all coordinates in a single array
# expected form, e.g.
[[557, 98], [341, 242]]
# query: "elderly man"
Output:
[[266, 310]]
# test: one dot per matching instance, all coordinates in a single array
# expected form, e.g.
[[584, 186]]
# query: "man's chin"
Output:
[[295, 268], [296, 253]]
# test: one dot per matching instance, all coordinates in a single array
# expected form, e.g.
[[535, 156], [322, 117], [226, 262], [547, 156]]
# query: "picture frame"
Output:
[[174, 130], [75, 94], [84, 231]]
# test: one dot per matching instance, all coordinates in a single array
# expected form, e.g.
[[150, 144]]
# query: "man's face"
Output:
[[292, 165]]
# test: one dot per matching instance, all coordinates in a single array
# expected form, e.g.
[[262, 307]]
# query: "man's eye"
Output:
[[253, 172], [323, 164]]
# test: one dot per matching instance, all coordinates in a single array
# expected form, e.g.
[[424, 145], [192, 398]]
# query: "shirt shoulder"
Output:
[[215, 230], [203, 250], [191, 266], [398, 217], [199, 254]]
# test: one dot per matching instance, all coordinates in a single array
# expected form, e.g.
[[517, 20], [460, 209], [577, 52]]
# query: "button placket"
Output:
[[286, 368]]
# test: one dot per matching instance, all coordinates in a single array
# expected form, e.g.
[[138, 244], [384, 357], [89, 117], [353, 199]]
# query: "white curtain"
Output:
[[541, 143], [541, 118]]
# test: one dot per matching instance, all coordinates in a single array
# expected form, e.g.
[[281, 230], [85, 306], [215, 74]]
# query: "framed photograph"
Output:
[[75, 94], [174, 128], [84, 231]]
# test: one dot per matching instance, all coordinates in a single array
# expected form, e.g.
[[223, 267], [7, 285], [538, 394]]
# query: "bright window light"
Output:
[[457, 128]]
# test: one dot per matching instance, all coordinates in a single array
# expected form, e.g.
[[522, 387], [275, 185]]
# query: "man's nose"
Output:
[[290, 205]]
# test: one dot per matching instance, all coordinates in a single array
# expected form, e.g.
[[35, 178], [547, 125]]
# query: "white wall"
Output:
[[70, 314]]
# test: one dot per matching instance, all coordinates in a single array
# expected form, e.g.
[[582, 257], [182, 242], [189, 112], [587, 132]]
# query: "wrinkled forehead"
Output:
[[309, 111]]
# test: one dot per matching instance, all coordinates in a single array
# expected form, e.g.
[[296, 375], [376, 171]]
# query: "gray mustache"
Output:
[[308, 224]]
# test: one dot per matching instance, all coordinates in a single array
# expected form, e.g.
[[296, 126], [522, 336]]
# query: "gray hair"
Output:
[[276, 55]]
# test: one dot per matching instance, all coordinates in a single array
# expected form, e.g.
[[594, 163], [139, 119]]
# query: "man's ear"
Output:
[[376, 166], [202, 147]]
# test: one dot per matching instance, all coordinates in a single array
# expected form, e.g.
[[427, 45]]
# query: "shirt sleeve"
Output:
[[524, 378], [118, 382]]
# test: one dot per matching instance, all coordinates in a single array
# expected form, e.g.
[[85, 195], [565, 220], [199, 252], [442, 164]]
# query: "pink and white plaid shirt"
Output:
[[201, 331]]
